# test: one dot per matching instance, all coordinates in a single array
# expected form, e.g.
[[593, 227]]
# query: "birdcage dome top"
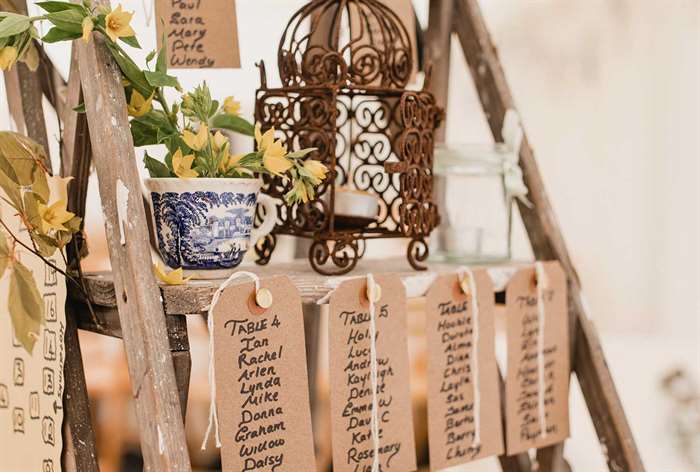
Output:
[[345, 43]]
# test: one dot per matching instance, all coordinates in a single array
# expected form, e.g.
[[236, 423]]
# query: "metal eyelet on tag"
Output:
[[263, 298], [377, 293]]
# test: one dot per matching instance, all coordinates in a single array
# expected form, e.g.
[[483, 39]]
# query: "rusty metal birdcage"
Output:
[[344, 66]]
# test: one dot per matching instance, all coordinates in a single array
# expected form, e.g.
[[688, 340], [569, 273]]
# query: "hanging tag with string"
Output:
[[464, 407], [371, 416], [259, 412], [537, 379]]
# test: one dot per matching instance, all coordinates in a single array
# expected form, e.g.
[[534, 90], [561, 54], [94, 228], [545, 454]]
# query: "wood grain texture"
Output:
[[195, 296], [79, 451], [142, 321], [438, 38], [548, 243]]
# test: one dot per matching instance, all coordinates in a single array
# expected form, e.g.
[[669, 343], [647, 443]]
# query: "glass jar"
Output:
[[475, 187]]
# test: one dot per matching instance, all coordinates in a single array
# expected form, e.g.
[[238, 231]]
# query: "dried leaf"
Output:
[[4, 254], [22, 154], [31, 211], [25, 305], [41, 185]]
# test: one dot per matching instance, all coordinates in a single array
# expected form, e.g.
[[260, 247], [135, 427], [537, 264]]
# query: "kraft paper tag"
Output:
[[261, 381], [200, 34], [350, 382], [31, 384], [464, 406], [537, 379]]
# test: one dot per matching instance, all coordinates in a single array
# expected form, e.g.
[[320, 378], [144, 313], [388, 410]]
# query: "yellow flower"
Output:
[[117, 24], [174, 277], [139, 106], [54, 216], [87, 28], [229, 162], [317, 170], [8, 56], [58, 187], [299, 192], [196, 141], [219, 141], [275, 160], [264, 140], [231, 106], [182, 165]]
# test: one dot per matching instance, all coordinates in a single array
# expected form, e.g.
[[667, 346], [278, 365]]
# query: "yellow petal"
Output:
[[139, 106], [174, 277], [8, 56], [117, 24], [196, 141], [58, 188], [231, 106], [276, 164], [258, 136], [316, 169], [87, 28], [182, 165], [219, 141]]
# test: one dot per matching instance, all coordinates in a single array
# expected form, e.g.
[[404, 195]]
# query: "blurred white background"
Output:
[[609, 93]]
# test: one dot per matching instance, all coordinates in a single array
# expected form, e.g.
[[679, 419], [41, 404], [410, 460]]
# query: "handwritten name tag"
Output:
[[200, 34], [261, 380], [351, 383], [464, 407], [537, 380]]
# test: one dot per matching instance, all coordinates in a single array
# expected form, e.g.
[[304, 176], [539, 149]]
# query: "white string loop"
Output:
[[213, 417], [461, 273], [542, 284], [371, 295]]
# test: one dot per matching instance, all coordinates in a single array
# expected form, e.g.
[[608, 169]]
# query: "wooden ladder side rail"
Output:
[[547, 241], [141, 316]]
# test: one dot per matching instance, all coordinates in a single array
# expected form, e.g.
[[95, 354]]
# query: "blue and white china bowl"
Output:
[[207, 224]]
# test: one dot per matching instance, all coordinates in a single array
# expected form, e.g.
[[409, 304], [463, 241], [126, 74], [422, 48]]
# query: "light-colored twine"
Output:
[[462, 272], [213, 417], [371, 293]]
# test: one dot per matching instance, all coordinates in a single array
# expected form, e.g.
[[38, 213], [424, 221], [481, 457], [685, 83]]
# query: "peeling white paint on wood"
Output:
[[122, 210]]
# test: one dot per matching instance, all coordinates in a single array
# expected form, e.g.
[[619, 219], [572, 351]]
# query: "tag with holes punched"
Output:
[[537, 378], [464, 406], [369, 377], [261, 381]]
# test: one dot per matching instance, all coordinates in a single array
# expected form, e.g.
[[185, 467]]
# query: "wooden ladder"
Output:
[[156, 343]]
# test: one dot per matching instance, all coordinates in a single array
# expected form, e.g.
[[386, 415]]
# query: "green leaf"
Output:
[[56, 35], [4, 254], [301, 153], [70, 21], [25, 305], [131, 41], [160, 79], [11, 189], [150, 56], [162, 62], [55, 7], [155, 168], [151, 128], [80, 108], [13, 24], [131, 71], [233, 123]]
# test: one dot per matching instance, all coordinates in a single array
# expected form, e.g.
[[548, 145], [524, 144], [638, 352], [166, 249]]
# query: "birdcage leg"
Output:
[[264, 249], [343, 253], [417, 253]]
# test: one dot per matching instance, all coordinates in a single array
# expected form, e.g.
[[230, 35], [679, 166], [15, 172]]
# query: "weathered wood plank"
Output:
[[438, 38], [182, 363], [548, 243], [195, 296], [79, 451], [551, 459], [142, 320]]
